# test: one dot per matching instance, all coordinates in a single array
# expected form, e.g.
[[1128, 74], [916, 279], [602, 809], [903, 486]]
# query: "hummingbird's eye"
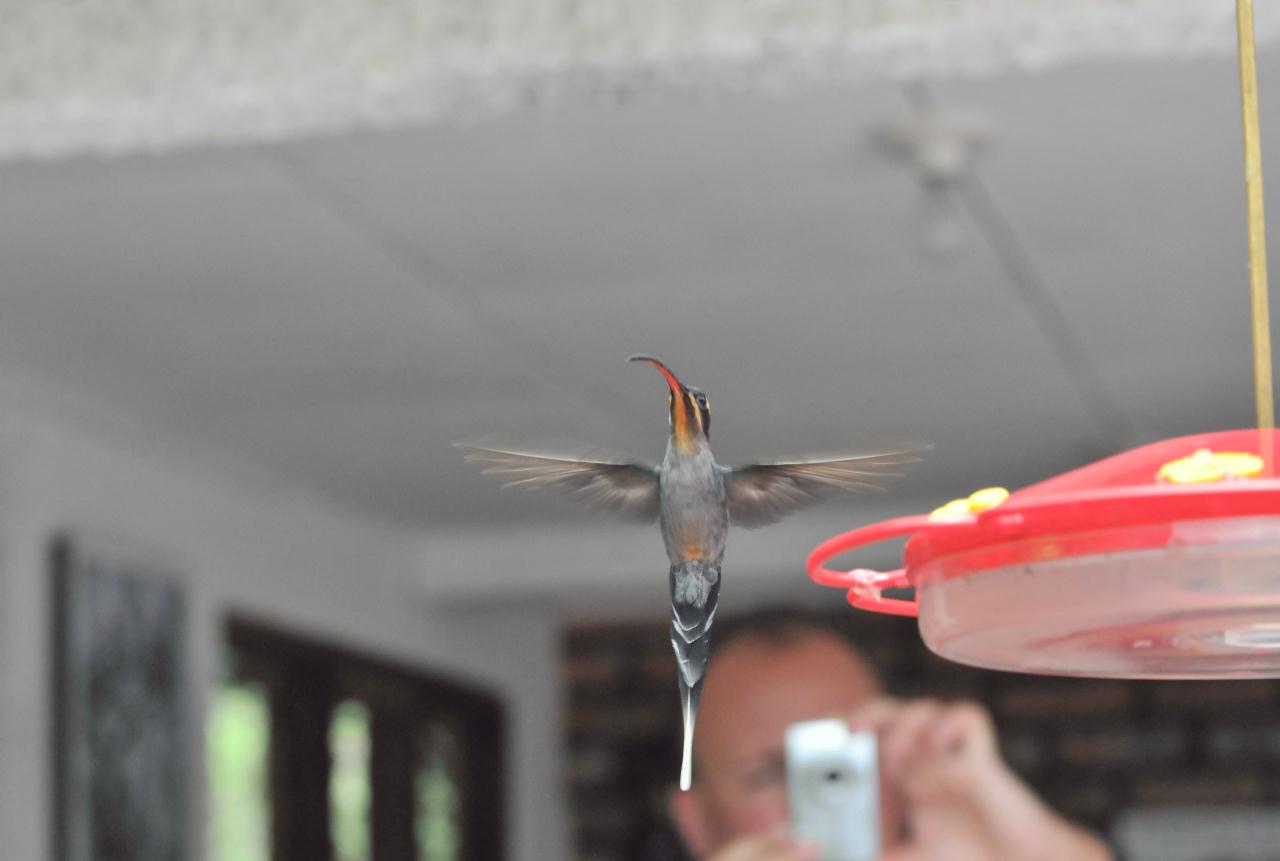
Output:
[[702, 402]]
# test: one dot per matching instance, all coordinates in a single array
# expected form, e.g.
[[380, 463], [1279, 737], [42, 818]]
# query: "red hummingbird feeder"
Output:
[[1159, 562]]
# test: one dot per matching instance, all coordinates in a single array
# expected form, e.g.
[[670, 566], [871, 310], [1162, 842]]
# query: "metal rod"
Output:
[[1257, 234]]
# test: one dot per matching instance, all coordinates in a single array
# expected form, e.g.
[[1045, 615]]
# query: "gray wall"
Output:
[[270, 550]]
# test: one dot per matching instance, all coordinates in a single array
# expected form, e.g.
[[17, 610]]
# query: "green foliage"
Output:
[[350, 791], [439, 805], [238, 739]]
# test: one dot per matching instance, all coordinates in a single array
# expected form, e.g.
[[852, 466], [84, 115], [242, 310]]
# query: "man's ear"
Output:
[[689, 815]]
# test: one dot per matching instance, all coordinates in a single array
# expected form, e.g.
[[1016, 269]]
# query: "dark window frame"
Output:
[[306, 677]]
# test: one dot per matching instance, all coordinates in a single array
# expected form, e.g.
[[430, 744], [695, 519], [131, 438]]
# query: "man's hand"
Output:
[[941, 768], [775, 846]]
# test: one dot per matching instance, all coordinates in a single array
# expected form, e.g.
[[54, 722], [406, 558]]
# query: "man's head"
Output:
[[768, 671]]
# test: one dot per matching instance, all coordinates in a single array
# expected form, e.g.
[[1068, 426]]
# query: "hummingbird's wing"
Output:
[[765, 492], [624, 486]]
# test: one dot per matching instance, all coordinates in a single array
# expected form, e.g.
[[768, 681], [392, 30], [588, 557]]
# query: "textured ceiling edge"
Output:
[[111, 77]]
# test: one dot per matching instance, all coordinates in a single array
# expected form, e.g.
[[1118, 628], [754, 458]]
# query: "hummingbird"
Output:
[[694, 499]]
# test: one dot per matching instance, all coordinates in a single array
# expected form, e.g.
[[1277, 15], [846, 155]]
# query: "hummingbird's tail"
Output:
[[695, 588]]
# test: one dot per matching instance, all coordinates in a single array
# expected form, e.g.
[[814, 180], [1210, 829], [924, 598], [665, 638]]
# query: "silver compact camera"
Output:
[[833, 789]]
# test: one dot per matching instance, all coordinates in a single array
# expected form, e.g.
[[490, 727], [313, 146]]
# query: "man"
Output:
[[946, 793]]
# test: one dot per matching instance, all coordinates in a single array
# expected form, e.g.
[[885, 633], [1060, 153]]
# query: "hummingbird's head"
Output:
[[690, 409]]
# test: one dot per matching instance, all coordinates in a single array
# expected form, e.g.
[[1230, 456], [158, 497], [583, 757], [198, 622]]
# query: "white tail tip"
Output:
[[686, 761]]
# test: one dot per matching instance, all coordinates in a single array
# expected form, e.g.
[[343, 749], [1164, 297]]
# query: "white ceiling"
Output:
[[338, 310]]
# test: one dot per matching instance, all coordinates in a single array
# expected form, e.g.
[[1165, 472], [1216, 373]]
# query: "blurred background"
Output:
[[260, 266]]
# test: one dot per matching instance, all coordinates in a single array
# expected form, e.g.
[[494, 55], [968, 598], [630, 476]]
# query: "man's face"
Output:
[[754, 690]]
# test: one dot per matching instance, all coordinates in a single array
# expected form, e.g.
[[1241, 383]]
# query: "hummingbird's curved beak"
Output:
[[681, 423], [675, 384]]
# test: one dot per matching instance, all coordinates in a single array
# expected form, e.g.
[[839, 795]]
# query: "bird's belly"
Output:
[[694, 541], [694, 526]]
